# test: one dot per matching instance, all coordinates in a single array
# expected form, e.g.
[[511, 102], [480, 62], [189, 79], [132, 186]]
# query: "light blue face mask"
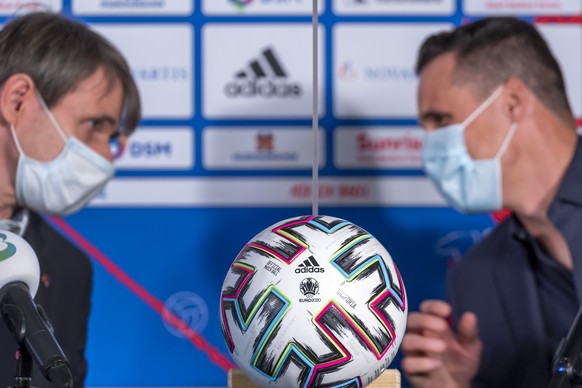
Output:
[[469, 185], [67, 183]]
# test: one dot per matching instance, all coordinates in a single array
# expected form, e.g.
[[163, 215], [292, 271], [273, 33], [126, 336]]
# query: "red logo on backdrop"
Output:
[[392, 149], [365, 143], [333, 190], [265, 142], [21, 7]]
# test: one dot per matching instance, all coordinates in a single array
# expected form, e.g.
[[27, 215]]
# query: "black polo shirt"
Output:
[[559, 293]]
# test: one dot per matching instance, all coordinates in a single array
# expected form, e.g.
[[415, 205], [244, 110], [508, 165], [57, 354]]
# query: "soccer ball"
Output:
[[313, 301]]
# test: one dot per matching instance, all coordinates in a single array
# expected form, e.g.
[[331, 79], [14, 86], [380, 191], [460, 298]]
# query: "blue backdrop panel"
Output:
[[170, 250]]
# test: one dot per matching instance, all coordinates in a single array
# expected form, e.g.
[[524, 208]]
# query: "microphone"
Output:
[[28, 323], [567, 362]]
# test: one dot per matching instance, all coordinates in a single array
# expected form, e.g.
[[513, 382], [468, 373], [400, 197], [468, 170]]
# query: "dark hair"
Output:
[[490, 51], [59, 53]]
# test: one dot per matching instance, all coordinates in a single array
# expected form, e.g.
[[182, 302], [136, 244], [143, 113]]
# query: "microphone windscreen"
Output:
[[18, 262]]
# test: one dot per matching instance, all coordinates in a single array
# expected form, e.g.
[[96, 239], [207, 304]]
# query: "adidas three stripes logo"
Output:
[[309, 265]]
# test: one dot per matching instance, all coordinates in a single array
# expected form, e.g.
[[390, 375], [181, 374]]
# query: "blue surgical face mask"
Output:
[[469, 185], [67, 183]]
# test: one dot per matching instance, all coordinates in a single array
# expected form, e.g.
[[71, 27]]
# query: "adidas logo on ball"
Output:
[[309, 266]]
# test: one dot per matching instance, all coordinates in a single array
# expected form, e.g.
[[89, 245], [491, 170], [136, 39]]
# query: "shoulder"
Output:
[[54, 249], [475, 275], [498, 242]]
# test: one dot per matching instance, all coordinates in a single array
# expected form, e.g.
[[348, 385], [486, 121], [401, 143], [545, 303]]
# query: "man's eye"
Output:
[[440, 121], [99, 125]]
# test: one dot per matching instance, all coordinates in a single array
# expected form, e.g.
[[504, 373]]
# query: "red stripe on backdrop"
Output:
[[198, 341], [558, 19]]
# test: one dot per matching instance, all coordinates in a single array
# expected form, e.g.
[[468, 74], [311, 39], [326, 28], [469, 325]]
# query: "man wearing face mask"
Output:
[[65, 94], [499, 134]]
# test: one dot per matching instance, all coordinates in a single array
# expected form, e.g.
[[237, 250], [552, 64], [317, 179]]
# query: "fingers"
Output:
[[414, 366], [468, 330], [433, 318], [419, 322], [438, 308], [426, 339], [417, 343], [435, 356], [422, 357]]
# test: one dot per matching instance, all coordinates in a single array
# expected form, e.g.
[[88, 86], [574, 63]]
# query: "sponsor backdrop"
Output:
[[225, 150]]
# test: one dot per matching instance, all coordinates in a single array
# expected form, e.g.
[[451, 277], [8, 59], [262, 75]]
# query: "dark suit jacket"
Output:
[[65, 295], [496, 280]]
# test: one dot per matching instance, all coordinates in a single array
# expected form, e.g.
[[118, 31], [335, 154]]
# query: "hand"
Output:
[[435, 356]]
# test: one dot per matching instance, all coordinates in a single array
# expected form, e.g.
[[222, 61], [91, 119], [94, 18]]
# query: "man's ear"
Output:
[[517, 99], [16, 91]]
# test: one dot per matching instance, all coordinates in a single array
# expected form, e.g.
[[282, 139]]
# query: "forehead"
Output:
[[97, 92], [99, 84], [437, 89]]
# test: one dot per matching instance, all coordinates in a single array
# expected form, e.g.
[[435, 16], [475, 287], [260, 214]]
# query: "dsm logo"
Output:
[[264, 76]]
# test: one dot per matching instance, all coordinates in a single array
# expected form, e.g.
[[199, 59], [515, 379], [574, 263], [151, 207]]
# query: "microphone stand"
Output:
[[567, 362], [23, 369], [33, 332]]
